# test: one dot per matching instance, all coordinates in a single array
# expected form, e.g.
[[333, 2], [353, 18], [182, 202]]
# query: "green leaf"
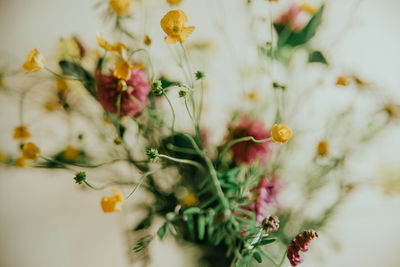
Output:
[[145, 223], [143, 243], [191, 210], [201, 224], [318, 57], [266, 241], [172, 229], [75, 70], [257, 256], [165, 83], [162, 231], [190, 225]]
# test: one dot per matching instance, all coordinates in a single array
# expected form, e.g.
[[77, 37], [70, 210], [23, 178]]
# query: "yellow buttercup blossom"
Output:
[[117, 47], [121, 7], [34, 61], [122, 70], [20, 162], [308, 8], [323, 148], [343, 81], [173, 24], [3, 157], [71, 153], [280, 133], [114, 203], [30, 151], [174, 2], [21, 133], [147, 40], [189, 200]]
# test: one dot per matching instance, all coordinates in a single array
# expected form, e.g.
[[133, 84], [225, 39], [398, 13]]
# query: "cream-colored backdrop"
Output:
[[46, 221]]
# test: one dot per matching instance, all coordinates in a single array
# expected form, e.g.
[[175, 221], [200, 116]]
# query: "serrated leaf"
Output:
[[75, 70], [318, 57], [257, 257], [162, 231]]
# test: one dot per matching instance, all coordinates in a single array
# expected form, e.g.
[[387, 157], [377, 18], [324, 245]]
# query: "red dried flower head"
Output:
[[300, 243], [248, 152], [133, 99]]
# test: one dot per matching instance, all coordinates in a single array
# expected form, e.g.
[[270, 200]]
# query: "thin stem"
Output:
[[173, 114], [185, 55], [201, 103], [184, 161], [119, 114], [60, 76], [141, 181], [242, 139], [269, 257], [181, 149]]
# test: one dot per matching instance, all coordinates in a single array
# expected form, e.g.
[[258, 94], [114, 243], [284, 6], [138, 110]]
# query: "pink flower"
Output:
[[267, 192], [248, 152], [293, 17], [133, 99], [300, 243]]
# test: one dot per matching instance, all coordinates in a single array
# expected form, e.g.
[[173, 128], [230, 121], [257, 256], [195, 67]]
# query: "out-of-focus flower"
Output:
[[343, 81], [133, 99], [267, 192], [30, 151], [121, 7], [271, 223], [3, 157], [71, 153], [322, 148], [292, 18], [280, 133], [20, 162], [299, 243], [113, 203], [273, 0], [174, 2], [248, 152], [34, 61], [392, 110], [173, 24], [253, 96], [21, 133], [189, 200], [308, 8], [122, 70], [147, 40], [68, 48], [117, 47], [1, 81], [61, 85], [390, 179], [50, 105]]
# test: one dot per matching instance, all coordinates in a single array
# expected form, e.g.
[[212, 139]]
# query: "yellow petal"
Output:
[[21, 133], [281, 133], [186, 31], [34, 61], [174, 2], [103, 43], [30, 151], [121, 7], [114, 203], [122, 70], [120, 48], [308, 8], [173, 24], [171, 39]]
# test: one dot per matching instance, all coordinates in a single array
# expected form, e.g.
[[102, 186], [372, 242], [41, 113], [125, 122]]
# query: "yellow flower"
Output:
[[147, 40], [114, 203], [343, 81], [30, 151], [71, 153], [117, 47], [34, 61], [173, 24], [189, 200], [3, 157], [1, 81], [322, 148], [21, 133], [308, 8], [174, 2], [272, 0], [253, 96], [280, 133], [121, 7], [50, 105], [61, 85], [122, 70], [20, 162]]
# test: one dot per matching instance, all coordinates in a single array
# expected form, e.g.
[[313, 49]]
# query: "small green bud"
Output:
[[152, 153], [199, 75], [80, 177], [156, 88], [182, 93], [117, 141], [277, 85]]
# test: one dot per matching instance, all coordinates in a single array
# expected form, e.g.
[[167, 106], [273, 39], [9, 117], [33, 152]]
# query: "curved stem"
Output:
[[242, 139], [141, 181], [269, 257], [119, 114], [173, 114], [184, 161], [59, 76]]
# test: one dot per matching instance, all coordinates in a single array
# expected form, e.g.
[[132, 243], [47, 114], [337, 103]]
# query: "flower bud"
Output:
[[80, 177], [152, 153], [281, 133]]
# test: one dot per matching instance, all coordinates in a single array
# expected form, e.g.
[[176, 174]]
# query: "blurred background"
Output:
[[46, 220]]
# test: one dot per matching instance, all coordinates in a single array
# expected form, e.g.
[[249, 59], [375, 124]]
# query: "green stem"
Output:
[[242, 139], [141, 181], [184, 161], [59, 76], [269, 257], [119, 114], [173, 114]]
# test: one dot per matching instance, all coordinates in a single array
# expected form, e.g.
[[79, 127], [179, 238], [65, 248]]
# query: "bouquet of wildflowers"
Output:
[[226, 197]]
